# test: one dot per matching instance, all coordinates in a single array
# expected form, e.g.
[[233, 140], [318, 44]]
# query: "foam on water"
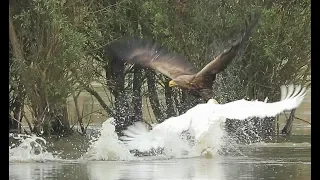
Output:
[[30, 149]]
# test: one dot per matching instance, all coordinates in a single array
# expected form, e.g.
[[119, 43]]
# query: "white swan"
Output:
[[199, 119]]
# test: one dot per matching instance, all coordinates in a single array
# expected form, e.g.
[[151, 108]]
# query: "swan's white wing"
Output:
[[138, 137], [291, 98]]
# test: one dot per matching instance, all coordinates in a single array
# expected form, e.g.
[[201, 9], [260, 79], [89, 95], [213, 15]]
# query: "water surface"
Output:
[[282, 160]]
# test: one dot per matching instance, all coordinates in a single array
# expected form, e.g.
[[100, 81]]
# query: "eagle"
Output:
[[148, 54]]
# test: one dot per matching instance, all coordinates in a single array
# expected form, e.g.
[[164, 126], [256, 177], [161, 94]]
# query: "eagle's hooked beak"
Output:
[[172, 83]]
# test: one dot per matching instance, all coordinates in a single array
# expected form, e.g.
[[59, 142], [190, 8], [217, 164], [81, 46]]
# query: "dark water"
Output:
[[287, 159]]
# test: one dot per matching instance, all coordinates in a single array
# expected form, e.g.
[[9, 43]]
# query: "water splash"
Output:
[[183, 145], [107, 146], [29, 148]]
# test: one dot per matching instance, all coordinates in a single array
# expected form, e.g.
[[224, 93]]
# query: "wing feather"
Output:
[[148, 54], [243, 109], [224, 59], [143, 139], [138, 137]]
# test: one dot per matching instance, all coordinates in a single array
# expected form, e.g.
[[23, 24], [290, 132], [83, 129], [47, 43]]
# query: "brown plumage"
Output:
[[183, 73]]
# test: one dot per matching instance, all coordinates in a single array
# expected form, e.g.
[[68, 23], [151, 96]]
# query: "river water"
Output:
[[289, 158], [287, 161], [260, 161]]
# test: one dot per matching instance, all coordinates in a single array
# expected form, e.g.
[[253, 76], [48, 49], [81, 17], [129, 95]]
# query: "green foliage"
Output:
[[53, 47], [63, 43], [53, 53]]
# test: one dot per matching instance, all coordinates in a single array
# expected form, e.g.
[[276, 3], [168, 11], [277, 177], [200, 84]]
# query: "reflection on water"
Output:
[[219, 168], [168, 169], [260, 161]]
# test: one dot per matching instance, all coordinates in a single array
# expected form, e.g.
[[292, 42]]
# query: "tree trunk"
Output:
[[153, 95], [116, 80], [17, 115], [187, 101], [60, 122], [16, 108], [18, 54], [79, 116], [169, 109], [16, 47], [100, 100], [288, 127], [136, 97]]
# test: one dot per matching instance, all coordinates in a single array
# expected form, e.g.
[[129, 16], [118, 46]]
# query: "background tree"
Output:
[[62, 46], [51, 50]]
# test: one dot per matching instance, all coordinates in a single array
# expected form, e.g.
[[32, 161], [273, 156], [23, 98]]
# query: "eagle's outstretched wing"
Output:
[[148, 54], [224, 59]]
